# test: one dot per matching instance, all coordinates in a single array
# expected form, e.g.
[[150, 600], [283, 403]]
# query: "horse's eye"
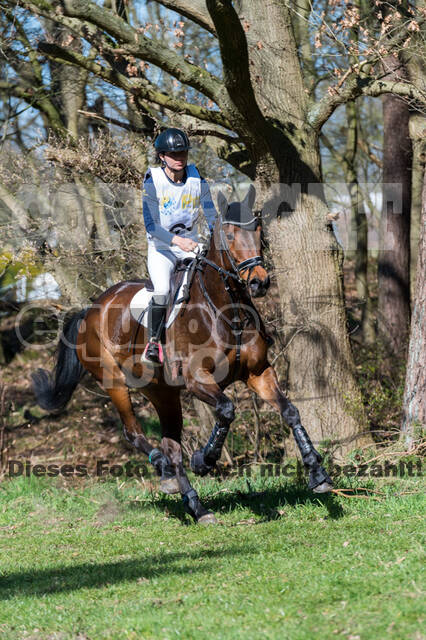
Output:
[[229, 236]]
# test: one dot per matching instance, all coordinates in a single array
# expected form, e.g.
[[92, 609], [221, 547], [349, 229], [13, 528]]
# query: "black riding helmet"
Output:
[[172, 140]]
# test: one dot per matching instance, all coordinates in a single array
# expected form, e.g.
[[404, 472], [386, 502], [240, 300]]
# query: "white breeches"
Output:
[[161, 263], [160, 266]]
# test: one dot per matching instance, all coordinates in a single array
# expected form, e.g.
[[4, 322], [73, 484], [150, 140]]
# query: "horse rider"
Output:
[[172, 196]]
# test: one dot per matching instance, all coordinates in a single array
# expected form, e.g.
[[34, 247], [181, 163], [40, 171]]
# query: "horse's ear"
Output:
[[250, 197], [222, 203]]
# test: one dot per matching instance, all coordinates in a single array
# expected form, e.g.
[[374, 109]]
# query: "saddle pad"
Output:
[[142, 298]]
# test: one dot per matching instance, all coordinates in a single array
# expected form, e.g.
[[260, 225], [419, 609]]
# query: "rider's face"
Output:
[[175, 160]]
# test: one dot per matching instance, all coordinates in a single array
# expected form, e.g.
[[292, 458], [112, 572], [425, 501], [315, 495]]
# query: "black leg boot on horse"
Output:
[[267, 387], [153, 353], [204, 460]]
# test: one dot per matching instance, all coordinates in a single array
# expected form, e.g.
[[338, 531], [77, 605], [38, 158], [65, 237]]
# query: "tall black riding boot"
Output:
[[153, 352]]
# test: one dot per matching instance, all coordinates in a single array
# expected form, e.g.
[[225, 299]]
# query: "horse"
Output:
[[217, 338]]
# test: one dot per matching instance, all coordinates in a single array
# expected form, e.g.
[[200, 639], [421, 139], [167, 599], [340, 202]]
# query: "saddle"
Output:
[[180, 285]]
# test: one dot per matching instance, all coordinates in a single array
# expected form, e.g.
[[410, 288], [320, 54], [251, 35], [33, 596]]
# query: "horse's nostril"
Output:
[[255, 283]]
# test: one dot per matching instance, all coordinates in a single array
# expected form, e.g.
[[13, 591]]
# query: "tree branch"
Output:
[[357, 80], [140, 88], [193, 131], [118, 123], [194, 10], [23, 38], [235, 154], [37, 98], [355, 86], [236, 73], [402, 89], [131, 41]]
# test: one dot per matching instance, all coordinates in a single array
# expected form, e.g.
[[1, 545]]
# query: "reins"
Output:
[[197, 266], [236, 325]]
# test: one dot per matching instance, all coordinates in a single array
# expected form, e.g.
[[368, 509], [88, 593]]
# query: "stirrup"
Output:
[[153, 353]]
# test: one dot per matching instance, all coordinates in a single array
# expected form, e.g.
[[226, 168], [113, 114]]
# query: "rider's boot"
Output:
[[153, 352]]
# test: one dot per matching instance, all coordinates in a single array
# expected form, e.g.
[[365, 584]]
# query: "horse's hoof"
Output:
[[169, 485], [324, 487], [207, 518]]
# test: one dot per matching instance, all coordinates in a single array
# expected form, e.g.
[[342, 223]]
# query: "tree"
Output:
[[414, 408], [394, 255], [261, 116]]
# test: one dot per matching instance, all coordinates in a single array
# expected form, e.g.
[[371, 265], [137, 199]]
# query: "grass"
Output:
[[114, 560]]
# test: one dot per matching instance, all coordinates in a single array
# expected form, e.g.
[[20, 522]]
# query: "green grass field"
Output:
[[113, 560]]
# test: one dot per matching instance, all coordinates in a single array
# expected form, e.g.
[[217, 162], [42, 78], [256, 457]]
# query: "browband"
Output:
[[253, 223]]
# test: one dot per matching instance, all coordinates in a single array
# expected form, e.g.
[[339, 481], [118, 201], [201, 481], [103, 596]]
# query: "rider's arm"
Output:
[[151, 212], [207, 204]]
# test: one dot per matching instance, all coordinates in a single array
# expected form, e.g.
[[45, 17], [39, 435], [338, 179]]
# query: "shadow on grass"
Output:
[[266, 503], [82, 576]]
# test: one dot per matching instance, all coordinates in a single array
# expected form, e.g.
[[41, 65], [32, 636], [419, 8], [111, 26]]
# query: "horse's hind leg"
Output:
[[267, 387], [100, 362], [168, 406], [170, 415]]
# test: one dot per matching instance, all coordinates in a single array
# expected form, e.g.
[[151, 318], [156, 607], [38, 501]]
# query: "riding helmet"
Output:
[[172, 140]]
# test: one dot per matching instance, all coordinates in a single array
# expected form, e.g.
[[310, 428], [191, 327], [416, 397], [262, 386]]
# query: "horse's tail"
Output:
[[54, 389]]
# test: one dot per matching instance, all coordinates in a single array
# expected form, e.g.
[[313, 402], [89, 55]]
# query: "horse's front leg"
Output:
[[205, 388], [267, 387]]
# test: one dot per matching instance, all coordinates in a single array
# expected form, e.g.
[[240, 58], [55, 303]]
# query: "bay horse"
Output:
[[217, 338]]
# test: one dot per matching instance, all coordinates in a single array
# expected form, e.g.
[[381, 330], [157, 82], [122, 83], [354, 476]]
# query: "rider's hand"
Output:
[[186, 244]]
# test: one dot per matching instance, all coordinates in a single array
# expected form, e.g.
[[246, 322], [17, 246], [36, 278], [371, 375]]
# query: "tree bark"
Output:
[[307, 257], [414, 407], [394, 254], [418, 138]]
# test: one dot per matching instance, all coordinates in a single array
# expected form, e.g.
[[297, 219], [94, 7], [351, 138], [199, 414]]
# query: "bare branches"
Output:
[[131, 41], [138, 87], [36, 97], [194, 10], [118, 123], [362, 85]]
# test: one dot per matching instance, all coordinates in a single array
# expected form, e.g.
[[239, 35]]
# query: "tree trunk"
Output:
[[307, 257], [359, 225], [414, 408], [394, 254], [418, 138], [321, 378]]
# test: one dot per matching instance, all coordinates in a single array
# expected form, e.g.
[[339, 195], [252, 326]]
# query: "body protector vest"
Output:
[[179, 204]]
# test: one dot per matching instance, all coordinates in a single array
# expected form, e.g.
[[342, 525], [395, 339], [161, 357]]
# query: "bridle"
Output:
[[237, 268], [196, 267], [237, 325]]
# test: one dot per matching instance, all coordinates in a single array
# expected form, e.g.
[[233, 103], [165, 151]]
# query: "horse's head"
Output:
[[241, 233]]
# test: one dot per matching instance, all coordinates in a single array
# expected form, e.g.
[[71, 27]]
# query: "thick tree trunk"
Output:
[[394, 255], [418, 138], [321, 379], [414, 408], [307, 257]]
